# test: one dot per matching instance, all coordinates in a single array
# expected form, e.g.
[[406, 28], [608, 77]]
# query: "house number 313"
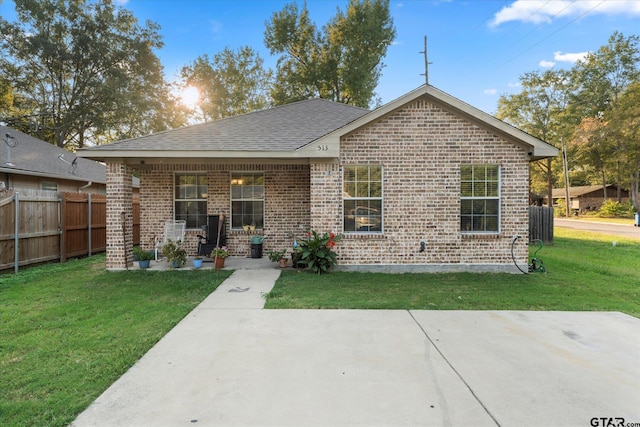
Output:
[[323, 147]]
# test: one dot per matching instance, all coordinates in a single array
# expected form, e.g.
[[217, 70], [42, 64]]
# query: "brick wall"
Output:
[[286, 203], [421, 148], [119, 217]]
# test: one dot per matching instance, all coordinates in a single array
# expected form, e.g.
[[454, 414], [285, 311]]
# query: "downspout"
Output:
[[87, 185]]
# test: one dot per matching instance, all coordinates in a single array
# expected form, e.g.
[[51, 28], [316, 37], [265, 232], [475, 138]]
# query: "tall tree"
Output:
[[343, 62], [232, 83], [602, 77], [88, 68], [540, 110]]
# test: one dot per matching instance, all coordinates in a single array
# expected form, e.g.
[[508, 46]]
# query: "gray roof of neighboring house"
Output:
[[558, 193], [282, 128], [32, 156]]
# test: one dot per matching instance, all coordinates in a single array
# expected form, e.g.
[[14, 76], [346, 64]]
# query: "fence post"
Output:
[[16, 237]]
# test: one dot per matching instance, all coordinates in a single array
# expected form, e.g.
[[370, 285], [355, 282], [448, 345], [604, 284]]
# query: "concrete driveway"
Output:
[[229, 366]]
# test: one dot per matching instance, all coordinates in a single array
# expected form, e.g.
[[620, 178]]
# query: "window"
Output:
[[247, 199], [190, 198], [362, 199], [49, 186], [480, 198]]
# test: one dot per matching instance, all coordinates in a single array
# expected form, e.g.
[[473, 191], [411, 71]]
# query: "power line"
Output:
[[555, 32]]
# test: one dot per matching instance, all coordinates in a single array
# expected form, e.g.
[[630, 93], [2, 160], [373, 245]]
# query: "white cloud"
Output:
[[547, 64], [490, 91], [569, 57], [121, 2], [518, 84], [540, 11]]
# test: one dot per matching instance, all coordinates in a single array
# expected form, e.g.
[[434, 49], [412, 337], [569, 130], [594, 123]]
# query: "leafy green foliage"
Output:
[[593, 108], [232, 83], [316, 251], [614, 209], [86, 70], [70, 330], [343, 62]]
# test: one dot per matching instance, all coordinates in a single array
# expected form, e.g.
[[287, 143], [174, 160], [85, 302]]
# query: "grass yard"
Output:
[[585, 272], [68, 331]]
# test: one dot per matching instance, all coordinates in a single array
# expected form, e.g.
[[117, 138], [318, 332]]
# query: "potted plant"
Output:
[[175, 255], [219, 255], [197, 261], [279, 257], [143, 257]]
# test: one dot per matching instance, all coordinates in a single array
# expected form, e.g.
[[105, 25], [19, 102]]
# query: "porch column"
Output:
[[119, 216]]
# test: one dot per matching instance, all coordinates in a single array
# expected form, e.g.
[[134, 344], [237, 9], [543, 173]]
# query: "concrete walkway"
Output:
[[230, 363]]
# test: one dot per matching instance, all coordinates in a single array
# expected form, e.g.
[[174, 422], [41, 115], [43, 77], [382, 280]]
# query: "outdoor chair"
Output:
[[174, 231], [216, 235]]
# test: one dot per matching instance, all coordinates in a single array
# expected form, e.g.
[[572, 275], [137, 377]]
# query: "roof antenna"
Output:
[[11, 142], [73, 164], [426, 62]]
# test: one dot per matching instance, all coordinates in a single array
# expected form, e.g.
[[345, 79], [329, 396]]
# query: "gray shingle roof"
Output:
[[283, 128], [33, 156]]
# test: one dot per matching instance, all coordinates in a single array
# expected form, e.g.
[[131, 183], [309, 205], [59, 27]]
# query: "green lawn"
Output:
[[68, 331], [584, 272]]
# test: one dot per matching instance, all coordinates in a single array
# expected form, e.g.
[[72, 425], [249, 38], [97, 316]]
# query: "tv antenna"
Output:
[[426, 62], [73, 164], [11, 142]]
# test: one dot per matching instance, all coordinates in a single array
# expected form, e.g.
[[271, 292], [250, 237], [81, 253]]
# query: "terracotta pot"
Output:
[[219, 262], [283, 263]]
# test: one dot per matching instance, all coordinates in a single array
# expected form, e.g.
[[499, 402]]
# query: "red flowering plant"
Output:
[[316, 251]]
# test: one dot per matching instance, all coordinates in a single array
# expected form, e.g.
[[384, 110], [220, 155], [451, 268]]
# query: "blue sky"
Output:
[[478, 48]]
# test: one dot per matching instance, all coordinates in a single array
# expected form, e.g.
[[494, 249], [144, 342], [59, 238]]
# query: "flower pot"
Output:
[[176, 264], [144, 264], [283, 263], [197, 263], [218, 263]]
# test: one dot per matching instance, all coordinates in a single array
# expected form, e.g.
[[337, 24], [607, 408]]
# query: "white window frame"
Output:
[[480, 197], [347, 217], [189, 199], [235, 175]]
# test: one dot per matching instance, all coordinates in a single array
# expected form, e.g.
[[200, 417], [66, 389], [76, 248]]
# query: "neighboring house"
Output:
[[424, 183], [30, 163], [588, 197]]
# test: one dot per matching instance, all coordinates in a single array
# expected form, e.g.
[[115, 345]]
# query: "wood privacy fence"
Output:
[[541, 224], [38, 226]]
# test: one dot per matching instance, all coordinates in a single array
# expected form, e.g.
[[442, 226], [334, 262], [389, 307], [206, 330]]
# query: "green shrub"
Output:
[[316, 251], [614, 209]]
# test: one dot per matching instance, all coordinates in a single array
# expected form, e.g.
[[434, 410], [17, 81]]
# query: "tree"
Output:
[[540, 110], [342, 63], [232, 83], [87, 70], [603, 77]]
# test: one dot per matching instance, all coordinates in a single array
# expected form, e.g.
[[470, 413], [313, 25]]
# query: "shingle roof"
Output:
[[283, 128], [32, 156], [576, 191]]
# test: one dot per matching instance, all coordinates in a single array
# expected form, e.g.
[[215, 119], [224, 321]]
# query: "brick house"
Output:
[[589, 197], [424, 183]]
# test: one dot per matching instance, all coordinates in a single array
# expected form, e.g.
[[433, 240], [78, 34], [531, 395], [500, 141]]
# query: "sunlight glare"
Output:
[[190, 96]]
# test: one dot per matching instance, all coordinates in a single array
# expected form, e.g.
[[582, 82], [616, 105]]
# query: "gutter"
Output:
[[87, 185]]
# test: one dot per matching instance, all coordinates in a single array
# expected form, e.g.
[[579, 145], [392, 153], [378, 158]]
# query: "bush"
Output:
[[316, 251], [612, 209]]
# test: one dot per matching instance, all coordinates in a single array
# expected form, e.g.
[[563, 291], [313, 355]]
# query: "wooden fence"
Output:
[[54, 226], [541, 224]]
